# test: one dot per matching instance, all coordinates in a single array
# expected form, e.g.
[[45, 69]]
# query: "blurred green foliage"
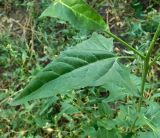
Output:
[[28, 43]]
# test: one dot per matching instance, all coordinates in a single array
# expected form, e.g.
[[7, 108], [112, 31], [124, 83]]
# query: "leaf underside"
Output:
[[90, 63]]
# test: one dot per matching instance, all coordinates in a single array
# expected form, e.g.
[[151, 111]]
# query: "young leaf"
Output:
[[78, 13]]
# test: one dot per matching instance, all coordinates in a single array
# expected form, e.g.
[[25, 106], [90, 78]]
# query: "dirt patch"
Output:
[[16, 21]]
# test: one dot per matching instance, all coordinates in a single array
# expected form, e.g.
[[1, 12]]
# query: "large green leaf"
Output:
[[77, 13], [90, 63]]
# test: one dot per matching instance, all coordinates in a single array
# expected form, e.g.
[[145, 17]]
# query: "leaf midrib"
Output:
[[59, 1]]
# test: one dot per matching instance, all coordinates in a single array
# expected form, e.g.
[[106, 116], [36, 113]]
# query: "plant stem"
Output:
[[156, 35], [125, 44], [146, 66], [144, 75]]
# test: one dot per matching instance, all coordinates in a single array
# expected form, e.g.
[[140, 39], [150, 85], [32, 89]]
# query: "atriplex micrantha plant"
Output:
[[93, 63]]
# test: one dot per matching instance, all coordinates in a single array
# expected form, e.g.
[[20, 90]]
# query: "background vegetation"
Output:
[[28, 43]]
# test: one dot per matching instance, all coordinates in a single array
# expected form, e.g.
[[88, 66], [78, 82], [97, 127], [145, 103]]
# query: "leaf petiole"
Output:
[[125, 44]]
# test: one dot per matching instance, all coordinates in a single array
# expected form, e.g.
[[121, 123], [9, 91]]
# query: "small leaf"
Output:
[[108, 124], [68, 108], [104, 133], [78, 13], [47, 105], [89, 131], [104, 109]]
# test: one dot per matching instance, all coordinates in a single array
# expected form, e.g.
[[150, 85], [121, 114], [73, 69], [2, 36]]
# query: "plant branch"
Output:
[[125, 44]]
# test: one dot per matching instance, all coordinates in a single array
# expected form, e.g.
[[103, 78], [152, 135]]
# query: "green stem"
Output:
[[144, 75], [125, 44], [156, 35], [146, 66]]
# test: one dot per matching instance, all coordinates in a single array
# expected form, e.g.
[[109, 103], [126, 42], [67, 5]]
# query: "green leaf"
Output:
[[120, 84], [77, 67], [147, 135], [104, 133], [78, 13], [68, 108], [152, 116], [90, 63], [104, 109], [106, 123], [89, 131], [48, 104]]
